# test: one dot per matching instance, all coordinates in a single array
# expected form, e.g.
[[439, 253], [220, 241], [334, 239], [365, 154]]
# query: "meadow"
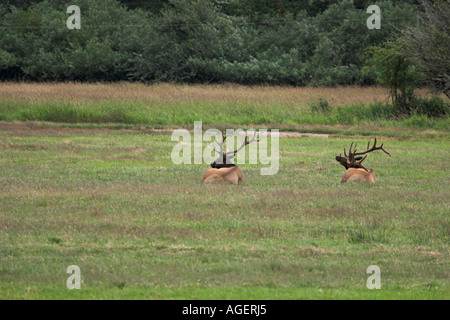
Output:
[[167, 105], [107, 197]]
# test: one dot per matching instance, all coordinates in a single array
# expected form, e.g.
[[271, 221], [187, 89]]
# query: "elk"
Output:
[[353, 164], [222, 169]]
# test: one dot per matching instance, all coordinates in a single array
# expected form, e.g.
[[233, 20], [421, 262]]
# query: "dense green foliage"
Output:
[[397, 72], [276, 42], [418, 54], [37, 45], [428, 45]]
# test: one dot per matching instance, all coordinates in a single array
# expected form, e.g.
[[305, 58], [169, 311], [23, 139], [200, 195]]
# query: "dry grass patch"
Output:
[[125, 91]]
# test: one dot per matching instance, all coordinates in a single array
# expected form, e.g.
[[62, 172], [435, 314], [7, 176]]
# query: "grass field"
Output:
[[165, 105], [110, 200]]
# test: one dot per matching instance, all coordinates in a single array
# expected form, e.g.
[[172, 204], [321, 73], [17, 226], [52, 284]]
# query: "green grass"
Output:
[[220, 293], [179, 113], [138, 226]]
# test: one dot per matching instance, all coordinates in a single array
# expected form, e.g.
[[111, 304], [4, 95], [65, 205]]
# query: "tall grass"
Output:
[[180, 105], [157, 93]]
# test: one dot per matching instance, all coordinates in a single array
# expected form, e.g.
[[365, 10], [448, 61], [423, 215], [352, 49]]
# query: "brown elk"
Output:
[[222, 169], [353, 163]]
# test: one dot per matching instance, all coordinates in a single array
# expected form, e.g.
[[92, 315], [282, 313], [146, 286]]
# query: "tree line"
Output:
[[315, 42]]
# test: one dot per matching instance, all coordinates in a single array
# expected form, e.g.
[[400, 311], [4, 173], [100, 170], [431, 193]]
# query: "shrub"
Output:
[[418, 121], [379, 110], [431, 107], [321, 106]]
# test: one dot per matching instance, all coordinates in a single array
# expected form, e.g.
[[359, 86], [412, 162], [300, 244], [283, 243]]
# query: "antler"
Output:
[[228, 155], [220, 144], [232, 154], [354, 159], [374, 148]]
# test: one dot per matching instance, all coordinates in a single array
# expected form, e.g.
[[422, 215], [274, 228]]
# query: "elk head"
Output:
[[353, 163]]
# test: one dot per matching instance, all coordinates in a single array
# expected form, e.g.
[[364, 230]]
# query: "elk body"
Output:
[[358, 175], [355, 171], [222, 169], [231, 175]]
